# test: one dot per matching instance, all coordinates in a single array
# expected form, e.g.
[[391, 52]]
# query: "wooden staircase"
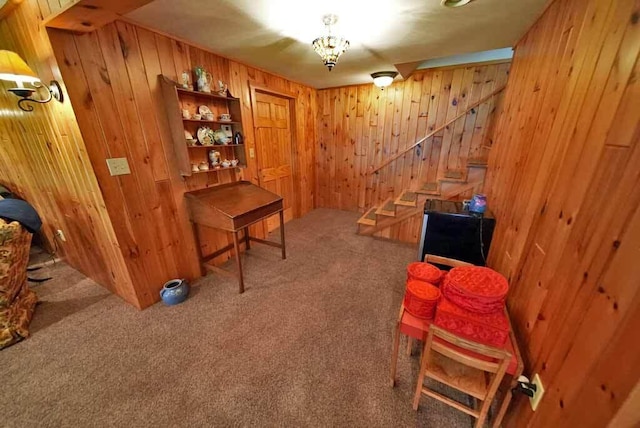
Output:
[[451, 184], [454, 185]]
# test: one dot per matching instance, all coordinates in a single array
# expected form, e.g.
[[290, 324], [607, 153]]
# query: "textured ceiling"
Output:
[[276, 35]]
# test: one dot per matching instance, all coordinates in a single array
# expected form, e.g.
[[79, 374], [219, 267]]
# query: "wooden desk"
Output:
[[232, 207]]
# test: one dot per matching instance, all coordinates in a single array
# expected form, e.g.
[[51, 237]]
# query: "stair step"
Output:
[[429, 189], [454, 177], [388, 208], [407, 199], [476, 163], [369, 218]]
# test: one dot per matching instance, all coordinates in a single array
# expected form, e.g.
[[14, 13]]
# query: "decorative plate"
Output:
[[221, 137], [203, 110], [205, 136]]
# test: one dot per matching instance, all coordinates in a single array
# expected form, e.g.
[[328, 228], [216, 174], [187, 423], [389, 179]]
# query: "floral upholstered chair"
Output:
[[17, 301]]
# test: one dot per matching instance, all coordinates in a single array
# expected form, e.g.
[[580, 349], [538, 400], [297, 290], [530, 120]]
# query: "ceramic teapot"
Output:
[[174, 291]]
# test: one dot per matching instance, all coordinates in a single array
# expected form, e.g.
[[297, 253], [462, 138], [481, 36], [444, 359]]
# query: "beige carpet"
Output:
[[308, 344]]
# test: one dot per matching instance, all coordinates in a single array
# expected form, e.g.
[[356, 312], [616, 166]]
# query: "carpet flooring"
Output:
[[307, 344]]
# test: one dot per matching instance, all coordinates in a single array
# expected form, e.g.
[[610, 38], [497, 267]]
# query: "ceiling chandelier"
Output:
[[330, 47]]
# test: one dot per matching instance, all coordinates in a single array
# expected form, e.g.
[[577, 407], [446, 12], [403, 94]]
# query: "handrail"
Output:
[[438, 129]]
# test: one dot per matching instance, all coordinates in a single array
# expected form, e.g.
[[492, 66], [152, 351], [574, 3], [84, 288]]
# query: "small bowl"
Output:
[[191, 142], [196, 116], [209, 116], [225, 118], [234, 162], [226, 164]]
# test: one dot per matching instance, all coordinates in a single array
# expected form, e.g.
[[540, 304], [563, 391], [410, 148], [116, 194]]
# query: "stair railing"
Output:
[[435, 131]]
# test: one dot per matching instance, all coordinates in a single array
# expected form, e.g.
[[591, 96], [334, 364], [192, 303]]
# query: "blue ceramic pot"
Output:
[[478, 203], [174, 291]]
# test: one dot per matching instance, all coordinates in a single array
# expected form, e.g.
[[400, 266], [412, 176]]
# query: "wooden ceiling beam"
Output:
[[85, 16], [406, 69]]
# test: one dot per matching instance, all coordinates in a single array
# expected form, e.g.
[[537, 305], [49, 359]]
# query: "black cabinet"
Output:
[[448, 230]]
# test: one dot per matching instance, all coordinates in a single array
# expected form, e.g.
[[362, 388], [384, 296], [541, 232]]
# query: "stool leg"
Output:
[[409, 345], [394, 354], [423, 369], [503, 407]]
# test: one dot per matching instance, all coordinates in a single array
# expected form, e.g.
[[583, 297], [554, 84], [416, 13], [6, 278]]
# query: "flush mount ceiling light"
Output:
[[454, 3], [330, 47], [14, 69], [383, 79]]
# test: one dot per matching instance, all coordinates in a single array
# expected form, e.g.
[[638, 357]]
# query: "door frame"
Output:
[[295, 169]]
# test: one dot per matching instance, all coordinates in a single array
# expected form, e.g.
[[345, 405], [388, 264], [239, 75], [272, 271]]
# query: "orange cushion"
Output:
[[477, 289], [421, 298], [491, 329], [424, 272]]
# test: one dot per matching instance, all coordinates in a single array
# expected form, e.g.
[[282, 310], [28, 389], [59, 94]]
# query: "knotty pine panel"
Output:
[[119, 105], [44, 159], [563, 183], [360, 127]]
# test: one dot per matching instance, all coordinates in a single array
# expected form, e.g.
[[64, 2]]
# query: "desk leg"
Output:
[[284, 251], [236, 247], [247, 242], [203, 271]]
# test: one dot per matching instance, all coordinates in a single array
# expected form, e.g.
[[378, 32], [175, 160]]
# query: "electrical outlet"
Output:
[[537, 395], [252, 153], [60, 235], [118, 166]]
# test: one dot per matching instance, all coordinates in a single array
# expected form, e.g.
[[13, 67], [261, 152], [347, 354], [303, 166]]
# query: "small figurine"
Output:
[[214, 157], [186, 80], [222, 88], [238, 138]]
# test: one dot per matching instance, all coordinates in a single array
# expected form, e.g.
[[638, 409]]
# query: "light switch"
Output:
[[252, 153], [118, 166]]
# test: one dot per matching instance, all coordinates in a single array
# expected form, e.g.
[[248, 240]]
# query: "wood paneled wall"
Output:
[[564, 185], [51, 7], [44, 159], [360, 127], [113, 85]]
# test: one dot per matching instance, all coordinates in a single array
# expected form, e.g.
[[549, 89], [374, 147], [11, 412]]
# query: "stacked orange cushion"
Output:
[[475, 288], [421, 298], [491, 329], [424, 272]]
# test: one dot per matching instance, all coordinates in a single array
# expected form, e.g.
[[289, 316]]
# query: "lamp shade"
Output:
[[14, 69], [383, 78]]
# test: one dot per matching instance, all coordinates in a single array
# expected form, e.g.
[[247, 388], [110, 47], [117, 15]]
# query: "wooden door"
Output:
[[272, 122]]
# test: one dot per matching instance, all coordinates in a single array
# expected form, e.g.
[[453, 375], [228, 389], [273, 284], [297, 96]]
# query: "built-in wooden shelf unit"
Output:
[[177, 99]]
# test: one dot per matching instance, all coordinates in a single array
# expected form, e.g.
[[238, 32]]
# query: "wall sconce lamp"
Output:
[[382, 79], [14, 69]]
